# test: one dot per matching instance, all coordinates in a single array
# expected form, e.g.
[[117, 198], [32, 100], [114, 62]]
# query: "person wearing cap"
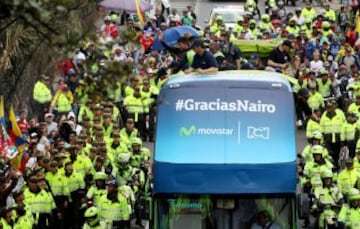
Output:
[[349, 133], [81, 162], [279, 56], [86, 111], [135, 109], [349, 58], [107, 125], [134, 82], [331, 122], [76, 186], [183, 49], [348, 178], [42, 95], [329, 13], [349, 216], [63, 100], [40, 202], [354, 107], [149, 94], [318, 165], [50, 124], [308, 12], [116, 145], [298, 17], [113, 207], [204, 61], [129, 132], [293, 28], [324, 83], [315, 99], [59, 187]]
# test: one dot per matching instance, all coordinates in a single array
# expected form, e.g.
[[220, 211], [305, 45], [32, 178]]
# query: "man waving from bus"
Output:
[[204, 61]]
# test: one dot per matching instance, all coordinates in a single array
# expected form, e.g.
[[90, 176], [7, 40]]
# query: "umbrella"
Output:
[[172, 34], [127, 5]]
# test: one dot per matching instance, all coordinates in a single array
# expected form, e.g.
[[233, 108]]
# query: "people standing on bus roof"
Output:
[[204, 61]]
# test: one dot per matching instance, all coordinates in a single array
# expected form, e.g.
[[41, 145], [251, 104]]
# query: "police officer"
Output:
[[92, 220], [138, 155], [76, 185], [331, 122], [350, 133], [313, 169], [113, 208], [40, 203], [349, 215], [348, 178], [328, 193], [149, 94], [59, 190], [98, 188], [42, 96], [135, 110], [116, 146]]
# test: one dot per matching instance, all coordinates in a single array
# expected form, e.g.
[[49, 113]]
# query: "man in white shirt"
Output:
[[50, 124]]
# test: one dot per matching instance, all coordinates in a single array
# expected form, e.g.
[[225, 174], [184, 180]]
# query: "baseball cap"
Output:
[[198, 43], [287, 43], [49, 115]]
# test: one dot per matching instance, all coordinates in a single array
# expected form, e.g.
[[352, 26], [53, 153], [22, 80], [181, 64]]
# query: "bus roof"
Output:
[[260, 77]]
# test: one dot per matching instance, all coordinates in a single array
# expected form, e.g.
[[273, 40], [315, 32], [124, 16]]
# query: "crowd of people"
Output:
[[86, 165]]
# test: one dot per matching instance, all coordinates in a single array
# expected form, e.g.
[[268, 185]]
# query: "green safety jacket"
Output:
[[42, 93]]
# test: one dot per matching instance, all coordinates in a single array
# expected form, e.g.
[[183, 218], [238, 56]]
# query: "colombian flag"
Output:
[[16, 137], [7, 146], [140, 13]]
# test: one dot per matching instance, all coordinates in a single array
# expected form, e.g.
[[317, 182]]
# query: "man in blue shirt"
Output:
[[204, 60]]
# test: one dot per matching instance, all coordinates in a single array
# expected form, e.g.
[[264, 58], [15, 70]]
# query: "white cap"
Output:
[[71, 115], [49, 115]]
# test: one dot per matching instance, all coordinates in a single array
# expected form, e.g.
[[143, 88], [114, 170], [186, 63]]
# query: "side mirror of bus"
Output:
[[303, 205]]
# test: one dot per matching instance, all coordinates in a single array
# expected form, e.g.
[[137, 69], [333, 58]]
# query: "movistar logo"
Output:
[[187, 131]]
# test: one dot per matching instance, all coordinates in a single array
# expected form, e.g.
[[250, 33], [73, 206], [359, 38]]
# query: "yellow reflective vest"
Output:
[[42, 93]]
